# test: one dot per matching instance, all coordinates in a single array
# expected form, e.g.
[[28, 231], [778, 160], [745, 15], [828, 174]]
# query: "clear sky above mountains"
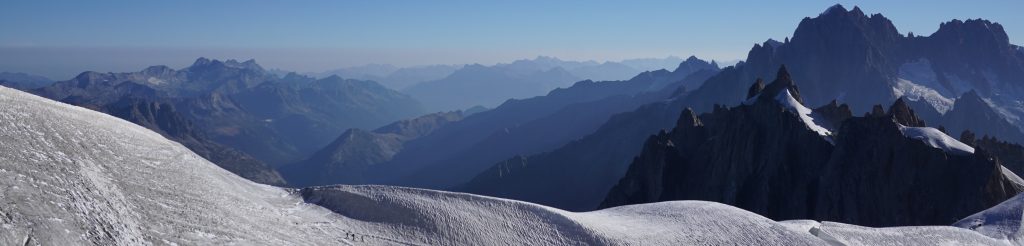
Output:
[[61, 38]]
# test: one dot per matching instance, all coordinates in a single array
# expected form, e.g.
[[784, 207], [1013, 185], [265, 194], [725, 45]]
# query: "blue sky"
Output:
[[62, 38]]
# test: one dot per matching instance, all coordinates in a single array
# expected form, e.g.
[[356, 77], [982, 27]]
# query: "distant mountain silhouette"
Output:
[[237, 110], [455, 153], [347, 159], [391, 76], [490, 85], [23, 81]]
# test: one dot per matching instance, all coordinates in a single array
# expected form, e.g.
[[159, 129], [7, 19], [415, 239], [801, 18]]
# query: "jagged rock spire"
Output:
[[755, 88], [688, 119], [968, 137], [876, 111], [783, 74], [783, 81], [901, 113]]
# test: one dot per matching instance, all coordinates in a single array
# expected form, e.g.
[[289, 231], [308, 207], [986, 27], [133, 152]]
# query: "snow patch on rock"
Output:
[[155, 81], [790, 103]]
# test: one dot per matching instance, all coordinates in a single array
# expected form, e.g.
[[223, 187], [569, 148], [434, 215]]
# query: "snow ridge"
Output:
[[937, 139]]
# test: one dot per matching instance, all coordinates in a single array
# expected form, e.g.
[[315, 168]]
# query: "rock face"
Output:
[[347, 159], [874, 170]]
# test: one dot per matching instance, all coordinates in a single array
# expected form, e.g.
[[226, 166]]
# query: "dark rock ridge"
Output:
[[761, 156], [347, 159]]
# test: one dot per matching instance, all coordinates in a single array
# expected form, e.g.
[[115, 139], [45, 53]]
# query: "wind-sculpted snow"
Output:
[[71, 176]]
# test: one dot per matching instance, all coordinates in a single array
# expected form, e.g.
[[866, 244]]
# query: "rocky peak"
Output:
[[688, 119], [968, 137], [755, 88], [204, 65], [903, 114], [834, 113], [973, 31], [694, 64], [837, 23], [783, 81], [201, 61], [969, 99], [876, 111]]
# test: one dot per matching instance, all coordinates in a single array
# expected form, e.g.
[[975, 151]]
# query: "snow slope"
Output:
[[1002, 221], [787, 100], [937, 139], [71, 176]]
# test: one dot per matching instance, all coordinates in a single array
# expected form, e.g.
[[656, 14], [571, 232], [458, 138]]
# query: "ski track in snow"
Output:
[[72, 176]]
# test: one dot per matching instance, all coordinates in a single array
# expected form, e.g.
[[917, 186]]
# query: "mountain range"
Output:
[[88, 178], [841, 55], [237, 114], [453, 153], [775, 157], [861, 127], [400, 78]]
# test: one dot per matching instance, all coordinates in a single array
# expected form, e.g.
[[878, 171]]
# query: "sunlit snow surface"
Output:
[[937, 139], [70, 176]]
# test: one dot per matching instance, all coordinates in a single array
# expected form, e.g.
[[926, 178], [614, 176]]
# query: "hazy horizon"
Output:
[[122, 36]]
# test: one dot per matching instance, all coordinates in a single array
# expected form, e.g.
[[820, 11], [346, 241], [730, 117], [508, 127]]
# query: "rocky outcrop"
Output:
[[762, 157]]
